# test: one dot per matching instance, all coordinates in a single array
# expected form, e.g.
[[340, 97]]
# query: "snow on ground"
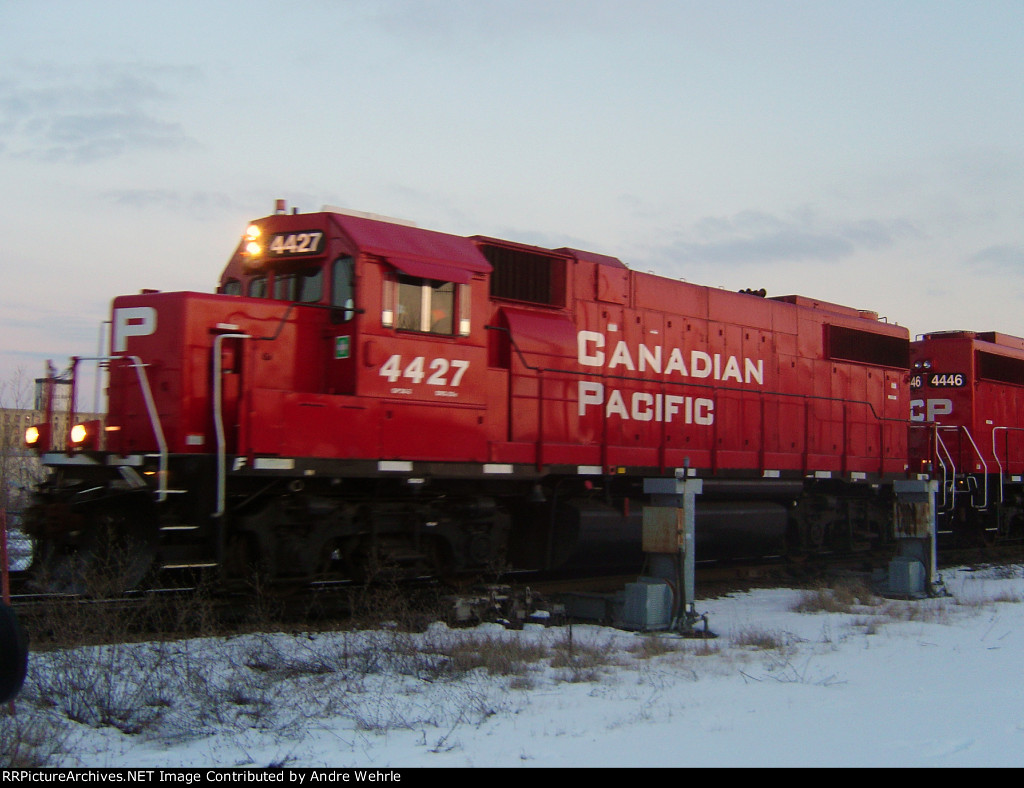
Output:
[[934, 683]]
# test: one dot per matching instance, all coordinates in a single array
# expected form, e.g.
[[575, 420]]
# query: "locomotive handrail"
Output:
[[218, 419], [981, 458], [995, 454], [945, 482], [154, 416], [984, 468]]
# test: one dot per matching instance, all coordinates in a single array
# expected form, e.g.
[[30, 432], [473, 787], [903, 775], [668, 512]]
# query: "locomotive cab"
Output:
[[240, 419]]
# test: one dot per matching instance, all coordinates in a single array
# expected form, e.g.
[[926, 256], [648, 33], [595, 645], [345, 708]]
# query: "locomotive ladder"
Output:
[[949, 473], [995, 453]]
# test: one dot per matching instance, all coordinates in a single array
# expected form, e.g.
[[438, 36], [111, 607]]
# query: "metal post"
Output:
[[668, 540], [914, 570]]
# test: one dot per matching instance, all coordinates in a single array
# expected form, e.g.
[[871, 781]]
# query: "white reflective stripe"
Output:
[[589, 470], [823, 474], [273, 464], [497, 467], [771, 474], [858, 476], [186, 566], [131, 459], [394, 465], [55, 458]]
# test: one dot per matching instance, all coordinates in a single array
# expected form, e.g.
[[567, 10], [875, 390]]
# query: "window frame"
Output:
[[422, 301]]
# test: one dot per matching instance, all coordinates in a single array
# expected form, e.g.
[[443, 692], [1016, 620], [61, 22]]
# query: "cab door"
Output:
[[341, 328]]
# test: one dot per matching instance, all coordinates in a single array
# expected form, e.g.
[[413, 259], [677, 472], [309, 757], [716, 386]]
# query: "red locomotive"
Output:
[[361, 393], [967, 412]]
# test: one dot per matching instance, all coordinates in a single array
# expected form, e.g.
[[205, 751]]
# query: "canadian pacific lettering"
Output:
[[593, 351], [641, 358], [641, 406]]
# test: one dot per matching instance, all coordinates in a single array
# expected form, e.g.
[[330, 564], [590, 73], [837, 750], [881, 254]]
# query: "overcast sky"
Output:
[[868, 153]]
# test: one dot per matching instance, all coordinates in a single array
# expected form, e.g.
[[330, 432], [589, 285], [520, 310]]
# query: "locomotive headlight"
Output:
[[926, 364], [37, 437], [252, 246], [85, 435]]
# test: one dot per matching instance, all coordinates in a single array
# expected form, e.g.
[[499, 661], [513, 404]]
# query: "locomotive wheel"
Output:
[[13, 654], [114, 553], [244, 567]]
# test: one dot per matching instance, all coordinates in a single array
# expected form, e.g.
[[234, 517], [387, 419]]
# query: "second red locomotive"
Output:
[[967, 416], [361, 393]]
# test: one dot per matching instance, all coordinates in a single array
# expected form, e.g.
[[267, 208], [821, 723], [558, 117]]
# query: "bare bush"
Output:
[[30, 741], [123, 686]]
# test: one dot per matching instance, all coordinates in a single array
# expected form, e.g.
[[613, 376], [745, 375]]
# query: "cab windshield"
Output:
[[307, 285]]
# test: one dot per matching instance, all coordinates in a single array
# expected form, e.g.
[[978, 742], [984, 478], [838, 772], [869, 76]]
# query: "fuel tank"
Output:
[[594, 536]]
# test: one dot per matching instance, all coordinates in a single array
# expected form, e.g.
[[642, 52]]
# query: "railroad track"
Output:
[[190, 610]]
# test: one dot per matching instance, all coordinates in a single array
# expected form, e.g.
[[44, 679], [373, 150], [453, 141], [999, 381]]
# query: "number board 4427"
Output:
[[296, 244]]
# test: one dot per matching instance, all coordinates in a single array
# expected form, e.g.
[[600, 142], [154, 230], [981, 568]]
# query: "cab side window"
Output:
[[343, 289], [431, 306], [426, 305]]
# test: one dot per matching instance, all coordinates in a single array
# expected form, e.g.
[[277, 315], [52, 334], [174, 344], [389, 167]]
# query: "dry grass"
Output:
[[761, 640], [496, 655], [844, 597], [579, 659], [651, 646]]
